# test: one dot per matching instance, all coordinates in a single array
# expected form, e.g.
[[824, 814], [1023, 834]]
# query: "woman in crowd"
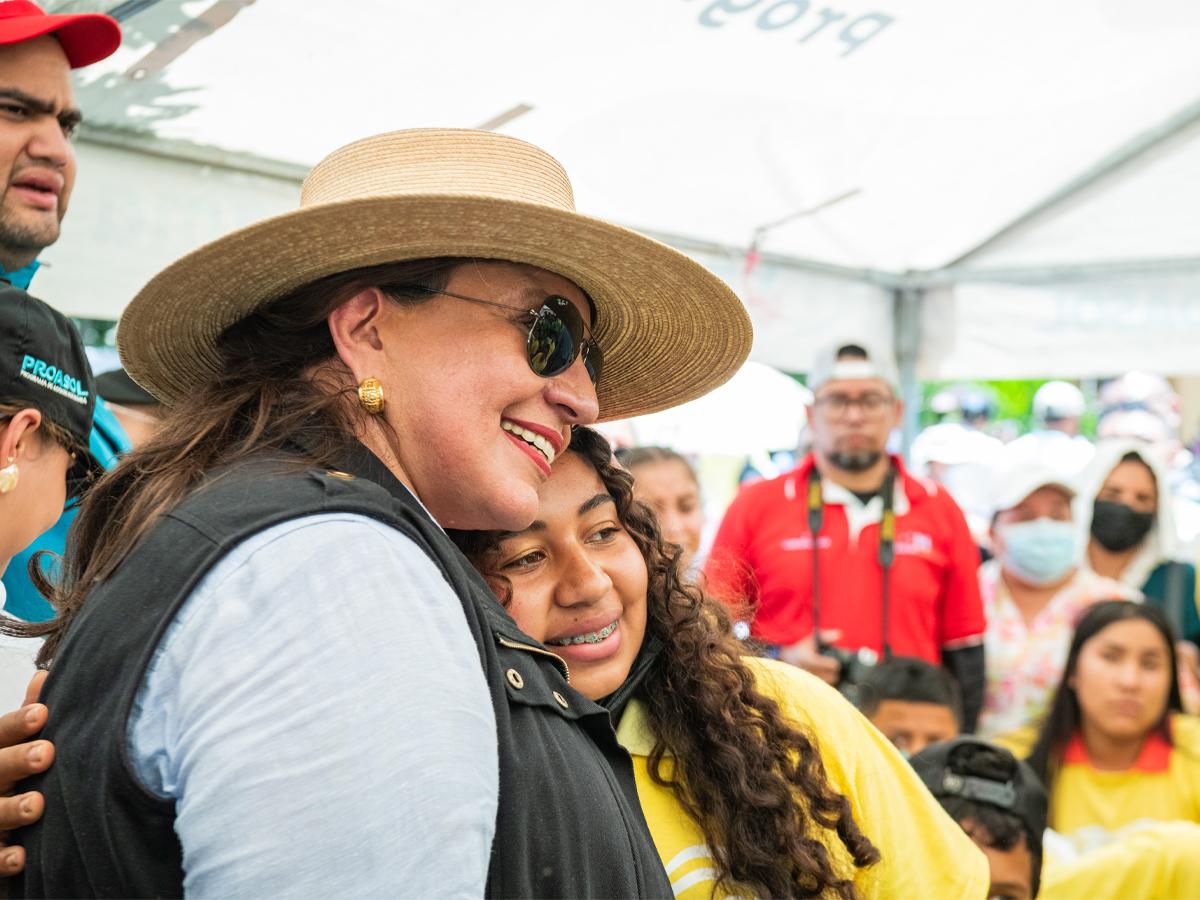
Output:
[[1114, 748], [1125, 510], [46, 400], [666, 482], [1033, 592], [1125, 516], [266, 642], [755, 777]]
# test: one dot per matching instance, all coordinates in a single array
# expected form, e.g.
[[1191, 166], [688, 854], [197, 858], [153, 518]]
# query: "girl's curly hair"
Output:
[[753, 780]]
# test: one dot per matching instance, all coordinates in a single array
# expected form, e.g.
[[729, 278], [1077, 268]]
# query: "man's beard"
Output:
[[854, 460], [20, 239]]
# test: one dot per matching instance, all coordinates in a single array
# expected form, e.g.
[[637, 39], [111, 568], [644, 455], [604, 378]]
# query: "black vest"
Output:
[[569, 823]]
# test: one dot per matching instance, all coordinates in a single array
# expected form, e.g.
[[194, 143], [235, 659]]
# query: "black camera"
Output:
[[854, 667]]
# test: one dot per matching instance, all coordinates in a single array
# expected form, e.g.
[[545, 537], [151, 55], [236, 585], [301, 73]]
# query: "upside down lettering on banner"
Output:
[[802, 18]]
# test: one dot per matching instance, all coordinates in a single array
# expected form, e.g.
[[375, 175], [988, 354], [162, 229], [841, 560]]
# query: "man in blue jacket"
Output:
[[37, 172]]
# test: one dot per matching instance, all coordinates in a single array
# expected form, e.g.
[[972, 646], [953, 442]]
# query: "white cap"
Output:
[[1058, 400], [1016, 478], [827, 367]]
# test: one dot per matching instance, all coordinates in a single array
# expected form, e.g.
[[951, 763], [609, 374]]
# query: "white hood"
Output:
[[1162, 543]]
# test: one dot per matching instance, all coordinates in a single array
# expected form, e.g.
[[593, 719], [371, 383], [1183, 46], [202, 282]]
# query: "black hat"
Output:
[[117, 387], [43, 365], [945, 769]]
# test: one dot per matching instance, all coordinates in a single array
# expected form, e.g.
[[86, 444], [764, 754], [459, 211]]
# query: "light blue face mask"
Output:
[[1038, 552]]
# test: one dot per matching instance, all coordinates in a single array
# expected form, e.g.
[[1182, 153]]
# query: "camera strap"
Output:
[[887, 549]]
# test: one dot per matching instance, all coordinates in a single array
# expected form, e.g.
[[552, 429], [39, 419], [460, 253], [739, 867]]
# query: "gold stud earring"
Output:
[[370, 395], [9, 475]]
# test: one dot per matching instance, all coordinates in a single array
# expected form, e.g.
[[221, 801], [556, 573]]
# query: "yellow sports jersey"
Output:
[[925, 853], [1087, 805], [1156, 861]]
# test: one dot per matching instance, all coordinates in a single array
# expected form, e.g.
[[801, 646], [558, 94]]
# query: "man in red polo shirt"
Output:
[[763, 558]]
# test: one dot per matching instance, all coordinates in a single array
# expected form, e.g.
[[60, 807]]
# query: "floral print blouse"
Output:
[[1025, 660]]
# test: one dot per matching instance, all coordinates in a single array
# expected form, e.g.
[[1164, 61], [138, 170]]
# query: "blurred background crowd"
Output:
[[999, 574]]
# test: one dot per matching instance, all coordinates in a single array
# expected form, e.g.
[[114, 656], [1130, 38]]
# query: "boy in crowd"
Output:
[[914, 703]]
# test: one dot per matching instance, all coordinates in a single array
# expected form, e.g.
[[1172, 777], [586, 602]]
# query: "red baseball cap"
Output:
[[85, 38]]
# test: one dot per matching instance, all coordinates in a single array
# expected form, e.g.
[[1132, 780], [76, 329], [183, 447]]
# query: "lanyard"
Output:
[[887, 548]]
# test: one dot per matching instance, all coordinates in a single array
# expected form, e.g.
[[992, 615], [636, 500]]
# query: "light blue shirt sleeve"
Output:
[[318, 712]]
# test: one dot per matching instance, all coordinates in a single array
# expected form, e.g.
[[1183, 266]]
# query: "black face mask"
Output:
[[1118, 527]]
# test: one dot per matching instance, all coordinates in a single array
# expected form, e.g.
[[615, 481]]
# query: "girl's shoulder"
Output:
[[803, 697]]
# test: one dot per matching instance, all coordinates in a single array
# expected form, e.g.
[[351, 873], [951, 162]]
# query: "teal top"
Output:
[[20, 277], [1155, 590]]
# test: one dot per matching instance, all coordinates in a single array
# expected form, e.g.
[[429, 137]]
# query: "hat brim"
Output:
[[1016, 496], [85, 39], [671, 331]]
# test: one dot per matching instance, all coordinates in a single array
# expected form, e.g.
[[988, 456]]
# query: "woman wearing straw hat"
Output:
[[264, 632]]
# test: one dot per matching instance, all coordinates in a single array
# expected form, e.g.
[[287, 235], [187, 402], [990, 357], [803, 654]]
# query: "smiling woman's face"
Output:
[[578, 580], [460, 395]]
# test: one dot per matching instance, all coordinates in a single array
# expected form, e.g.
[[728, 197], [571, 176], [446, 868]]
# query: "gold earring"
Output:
[[8, 476], [370, 395]]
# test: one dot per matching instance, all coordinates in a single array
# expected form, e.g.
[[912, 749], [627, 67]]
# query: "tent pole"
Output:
[[906, 341]]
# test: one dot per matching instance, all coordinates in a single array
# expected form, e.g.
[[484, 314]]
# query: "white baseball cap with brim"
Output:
[[670, 330], [878, 364], [1017, 479]]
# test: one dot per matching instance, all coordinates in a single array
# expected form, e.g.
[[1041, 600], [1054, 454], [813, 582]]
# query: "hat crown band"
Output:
[[450, 162]]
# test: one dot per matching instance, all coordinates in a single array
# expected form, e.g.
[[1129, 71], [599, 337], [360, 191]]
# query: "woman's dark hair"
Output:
[[280, 388], [1065, 717], [1134, 457], [753, 780]]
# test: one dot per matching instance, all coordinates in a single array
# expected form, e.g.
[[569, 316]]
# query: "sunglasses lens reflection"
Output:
[[556, 338], [551, 347]]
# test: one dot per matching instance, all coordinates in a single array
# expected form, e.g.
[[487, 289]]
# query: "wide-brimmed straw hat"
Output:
[[670, 330]]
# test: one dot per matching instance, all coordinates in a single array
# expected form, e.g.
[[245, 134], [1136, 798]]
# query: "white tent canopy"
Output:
[[1005, 189]]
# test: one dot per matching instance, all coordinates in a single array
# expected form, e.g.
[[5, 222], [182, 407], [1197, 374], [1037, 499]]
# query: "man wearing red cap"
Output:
[[37, 173], [37, 117]]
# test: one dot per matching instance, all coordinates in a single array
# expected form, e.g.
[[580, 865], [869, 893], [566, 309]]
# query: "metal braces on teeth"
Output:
[[594, 638]]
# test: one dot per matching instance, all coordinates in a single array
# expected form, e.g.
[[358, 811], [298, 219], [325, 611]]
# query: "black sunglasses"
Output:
[[557, 334]]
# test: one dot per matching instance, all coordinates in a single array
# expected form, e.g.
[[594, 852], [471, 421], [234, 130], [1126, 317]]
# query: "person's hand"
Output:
[[19, 759], [804, 655]]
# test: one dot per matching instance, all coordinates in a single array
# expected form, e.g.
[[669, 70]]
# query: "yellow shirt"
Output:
[[1157, 861], [1088, 805], [925, 853]]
